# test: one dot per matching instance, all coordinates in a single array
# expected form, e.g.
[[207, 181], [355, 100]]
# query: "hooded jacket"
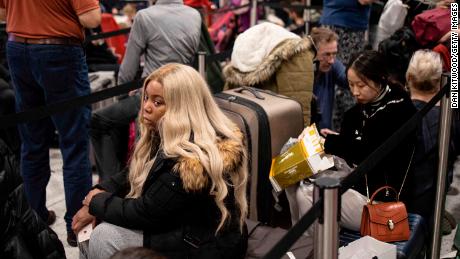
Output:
[[175, 210], [23, 234], [286, 68]]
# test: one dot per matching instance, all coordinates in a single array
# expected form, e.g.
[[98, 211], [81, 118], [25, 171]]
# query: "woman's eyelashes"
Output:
[[156, 101]]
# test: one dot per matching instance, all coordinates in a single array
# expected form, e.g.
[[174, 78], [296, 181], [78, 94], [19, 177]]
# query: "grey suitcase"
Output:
[[267, 120]]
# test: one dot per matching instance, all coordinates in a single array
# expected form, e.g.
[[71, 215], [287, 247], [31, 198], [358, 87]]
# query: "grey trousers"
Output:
[[300, 199], [107, 239]]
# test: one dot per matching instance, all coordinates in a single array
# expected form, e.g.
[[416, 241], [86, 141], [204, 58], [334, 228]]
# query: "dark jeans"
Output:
[[41, 75], [109, 134]]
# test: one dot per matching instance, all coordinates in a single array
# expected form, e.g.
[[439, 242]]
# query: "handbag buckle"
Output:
[[391, 224]]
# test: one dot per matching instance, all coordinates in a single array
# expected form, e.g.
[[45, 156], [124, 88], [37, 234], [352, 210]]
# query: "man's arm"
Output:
[[134, 50], [340, 74], [90, 19], [2, 14]]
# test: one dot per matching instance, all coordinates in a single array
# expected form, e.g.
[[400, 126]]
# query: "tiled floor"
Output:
[[56, 202]]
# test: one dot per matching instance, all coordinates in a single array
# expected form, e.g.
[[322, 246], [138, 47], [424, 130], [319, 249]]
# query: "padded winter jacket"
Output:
[[23, 234], [177, 214], [287, 70]]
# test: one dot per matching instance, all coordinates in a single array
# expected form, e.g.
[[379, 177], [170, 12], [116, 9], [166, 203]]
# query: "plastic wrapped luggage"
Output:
[[268, 120], [99, 81]]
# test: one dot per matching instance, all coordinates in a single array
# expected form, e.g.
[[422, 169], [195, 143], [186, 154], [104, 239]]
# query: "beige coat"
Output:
[[287, 70]]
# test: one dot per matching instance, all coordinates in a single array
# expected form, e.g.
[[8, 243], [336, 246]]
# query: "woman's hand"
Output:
[[81, 219], [326, 132], [90, 196]]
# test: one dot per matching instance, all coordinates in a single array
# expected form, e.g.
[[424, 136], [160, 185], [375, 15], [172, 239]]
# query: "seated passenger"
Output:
[[424, 80], [381, 109], [185, 192]]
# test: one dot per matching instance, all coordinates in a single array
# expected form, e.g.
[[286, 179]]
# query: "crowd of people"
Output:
[[188, 157]]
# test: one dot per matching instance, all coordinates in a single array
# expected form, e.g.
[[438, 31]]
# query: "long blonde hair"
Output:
[[190, 109]]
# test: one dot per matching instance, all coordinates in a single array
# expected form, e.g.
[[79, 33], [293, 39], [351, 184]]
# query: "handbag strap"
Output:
[[386, 187], [407, 171]]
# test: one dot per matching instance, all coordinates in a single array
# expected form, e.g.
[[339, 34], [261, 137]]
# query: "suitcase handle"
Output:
[[251, 90]]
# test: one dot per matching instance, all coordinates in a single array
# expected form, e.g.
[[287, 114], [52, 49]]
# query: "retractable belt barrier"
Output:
[[106, 35], [48, 110], [368, 164], [59, 107]]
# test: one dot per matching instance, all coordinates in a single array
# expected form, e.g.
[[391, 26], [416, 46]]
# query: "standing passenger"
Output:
[[47, 64]]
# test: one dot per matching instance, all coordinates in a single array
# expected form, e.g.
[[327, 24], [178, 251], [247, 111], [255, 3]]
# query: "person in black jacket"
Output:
[[380, 111], [184, 195], [23, 234], [424, 81]]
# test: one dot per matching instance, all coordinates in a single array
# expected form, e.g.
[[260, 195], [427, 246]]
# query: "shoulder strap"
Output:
[[407, 171]]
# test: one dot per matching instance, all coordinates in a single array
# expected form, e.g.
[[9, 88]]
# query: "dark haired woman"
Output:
[[381, 109]]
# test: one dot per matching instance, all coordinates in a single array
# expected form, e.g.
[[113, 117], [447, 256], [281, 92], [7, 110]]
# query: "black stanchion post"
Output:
[[444, 139], [254, 13], [326, 238], [202, 63]]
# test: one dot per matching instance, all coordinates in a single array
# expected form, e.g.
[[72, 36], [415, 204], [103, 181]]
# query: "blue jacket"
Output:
[[345, 13], [323, 88]]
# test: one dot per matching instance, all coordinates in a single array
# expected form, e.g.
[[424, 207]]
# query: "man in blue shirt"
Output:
[[331, 72]]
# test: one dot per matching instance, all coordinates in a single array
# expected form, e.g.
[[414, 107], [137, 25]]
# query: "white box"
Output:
[[367, 247]]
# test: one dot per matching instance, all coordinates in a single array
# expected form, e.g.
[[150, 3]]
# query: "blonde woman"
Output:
[[185, 193]]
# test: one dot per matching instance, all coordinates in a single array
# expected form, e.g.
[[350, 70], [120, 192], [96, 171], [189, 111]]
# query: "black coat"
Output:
[[175, 210], [365, 128], [23, 234]]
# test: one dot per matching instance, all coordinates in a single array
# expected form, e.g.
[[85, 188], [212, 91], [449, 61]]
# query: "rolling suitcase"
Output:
[[267, 120]]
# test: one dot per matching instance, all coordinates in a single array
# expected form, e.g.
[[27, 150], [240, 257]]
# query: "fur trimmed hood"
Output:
[[270, 64], [192, 172], [253, 45]]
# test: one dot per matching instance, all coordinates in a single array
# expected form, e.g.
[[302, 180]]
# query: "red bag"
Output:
[[431, 25]]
